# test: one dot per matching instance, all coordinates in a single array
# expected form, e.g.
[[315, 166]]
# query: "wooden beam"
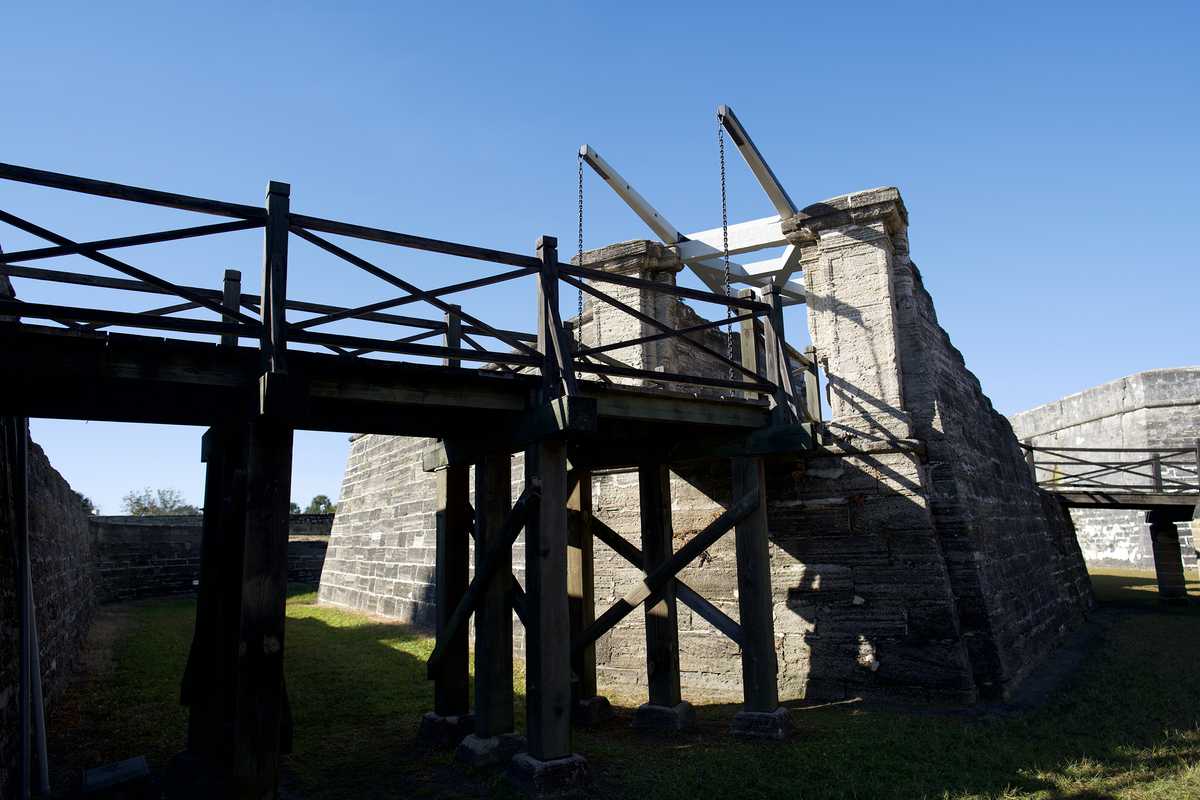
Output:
[[760, 686], [684, 593], [451, 687], [744, 237], [493, 618], [581, 589], [558, 418], [758, 165], [493, 558], [260, 698], [662, 623], [647, 590], [552, 335], [783, 400], [547, 619]]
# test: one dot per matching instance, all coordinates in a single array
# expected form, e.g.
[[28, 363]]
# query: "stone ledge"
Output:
[[857, 208], [559, 777]]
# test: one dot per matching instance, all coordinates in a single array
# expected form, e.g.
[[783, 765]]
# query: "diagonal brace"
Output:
[[513, 524], [654, 583]]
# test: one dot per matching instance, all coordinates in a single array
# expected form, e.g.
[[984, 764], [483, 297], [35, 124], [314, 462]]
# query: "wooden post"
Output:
[[231, 298], [547, 621], [18, 446], [751, 329], [260, 695], [662, 628], [1156, 471], [1030, 459], [493, 620], [762, 716], [588, 707], [783, 401], [812, 386], [274, 283], [453, 337]]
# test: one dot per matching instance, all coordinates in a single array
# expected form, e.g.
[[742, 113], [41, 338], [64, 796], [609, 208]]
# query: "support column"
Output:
[[665, 710], [494, 741], [451, 719], [1168, 556], [549, 768], [589, 707], [260, 703], [762, 716]]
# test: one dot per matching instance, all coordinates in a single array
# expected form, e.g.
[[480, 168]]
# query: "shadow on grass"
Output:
[[1132, 588], [1128, 725]]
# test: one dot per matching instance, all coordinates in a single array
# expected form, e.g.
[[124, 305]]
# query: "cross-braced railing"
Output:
[[763, 371], [1138, 470]]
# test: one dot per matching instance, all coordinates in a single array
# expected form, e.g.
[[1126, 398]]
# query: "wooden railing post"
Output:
[[453, 336], [1156, 471], [1029, 459], [812, 386], [274, 283], [232, 299], [783, 400], [558, 370], [751, 330]]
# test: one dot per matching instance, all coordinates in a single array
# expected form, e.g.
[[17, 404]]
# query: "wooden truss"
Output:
[[703, 251]]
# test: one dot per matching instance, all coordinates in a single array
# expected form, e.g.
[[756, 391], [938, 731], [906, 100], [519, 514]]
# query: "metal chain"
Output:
[[579, 318], [725, 239]]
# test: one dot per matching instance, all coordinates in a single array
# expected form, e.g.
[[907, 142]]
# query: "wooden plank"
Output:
[[493, 618], [125, 319], [547, 620], [581, 587], [260, 699], [657, 337], [760, 687], [432, 351], [135, 194], [647, 590], [383, 236], [662, 623], [672, 377], [173, 235]]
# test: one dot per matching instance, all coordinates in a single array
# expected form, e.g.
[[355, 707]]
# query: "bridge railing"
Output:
[[763, 369], [1139, 470]]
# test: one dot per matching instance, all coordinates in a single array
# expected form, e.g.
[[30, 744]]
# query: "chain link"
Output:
[[725, 239], [579, 318]]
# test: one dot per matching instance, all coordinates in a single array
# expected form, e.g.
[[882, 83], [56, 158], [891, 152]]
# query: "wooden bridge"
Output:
[[254, 368], [1162, 481]]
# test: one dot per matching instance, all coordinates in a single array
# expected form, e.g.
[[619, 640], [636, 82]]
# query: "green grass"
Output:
[[1126, 726]]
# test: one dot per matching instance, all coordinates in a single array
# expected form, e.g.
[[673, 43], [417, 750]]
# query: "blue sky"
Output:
[[1046, 153]]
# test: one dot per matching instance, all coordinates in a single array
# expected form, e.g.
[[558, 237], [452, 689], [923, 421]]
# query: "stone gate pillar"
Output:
[[848, 246]]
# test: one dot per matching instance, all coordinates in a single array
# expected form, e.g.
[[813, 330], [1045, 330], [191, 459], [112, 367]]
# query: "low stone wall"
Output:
[[64, 577], [160, 555], [1155, 408]]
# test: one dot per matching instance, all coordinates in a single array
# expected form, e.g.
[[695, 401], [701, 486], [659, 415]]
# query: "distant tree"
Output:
[[155, 502], [88, 506], [294, 508], [321, 504]]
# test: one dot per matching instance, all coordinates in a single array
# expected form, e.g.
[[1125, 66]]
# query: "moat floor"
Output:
[[1126, 725]]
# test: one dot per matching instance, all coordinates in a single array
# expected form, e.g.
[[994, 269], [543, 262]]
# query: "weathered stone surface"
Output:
[[491, 751], [652, 718], [444, 732], [771, 725], [559, 777], [64, 580]]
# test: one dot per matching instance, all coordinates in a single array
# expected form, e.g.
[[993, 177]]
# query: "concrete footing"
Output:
[[664, 719], [444, 732], [559, 777], [591, 711], [774, 725], [476, 751]]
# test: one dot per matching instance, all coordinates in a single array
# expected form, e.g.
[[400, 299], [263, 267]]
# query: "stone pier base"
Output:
[[664, 719], [559, 777], [592, 711], [444, 732], [774, 725], [493, 751]]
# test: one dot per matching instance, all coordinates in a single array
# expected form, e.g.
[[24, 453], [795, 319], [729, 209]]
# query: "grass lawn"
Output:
[[1126, 726]]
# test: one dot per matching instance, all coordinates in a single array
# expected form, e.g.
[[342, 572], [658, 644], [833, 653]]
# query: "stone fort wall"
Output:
[[64, 577], [1156, 408], [926, 565]]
